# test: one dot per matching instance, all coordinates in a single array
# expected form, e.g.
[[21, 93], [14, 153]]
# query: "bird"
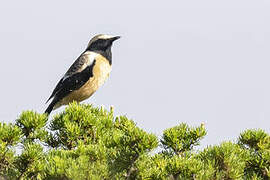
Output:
[[89, 71]]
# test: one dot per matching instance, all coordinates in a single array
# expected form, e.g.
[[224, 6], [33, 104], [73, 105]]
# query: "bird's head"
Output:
[[101, 42]]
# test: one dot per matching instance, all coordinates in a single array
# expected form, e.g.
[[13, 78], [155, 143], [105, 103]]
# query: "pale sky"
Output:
[[177, 61]]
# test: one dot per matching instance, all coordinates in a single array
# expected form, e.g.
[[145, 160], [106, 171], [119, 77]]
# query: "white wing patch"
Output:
[[90, 56]]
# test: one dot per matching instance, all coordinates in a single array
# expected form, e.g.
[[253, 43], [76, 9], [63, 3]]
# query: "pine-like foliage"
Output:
[[84, 142]]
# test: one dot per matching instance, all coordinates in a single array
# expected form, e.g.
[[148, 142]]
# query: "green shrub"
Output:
[[85, 142]]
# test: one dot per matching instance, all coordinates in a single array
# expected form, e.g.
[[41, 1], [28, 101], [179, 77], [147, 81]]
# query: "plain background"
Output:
[[177, 61]]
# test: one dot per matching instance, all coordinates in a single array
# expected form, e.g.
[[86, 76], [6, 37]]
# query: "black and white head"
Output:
[[101, 42]]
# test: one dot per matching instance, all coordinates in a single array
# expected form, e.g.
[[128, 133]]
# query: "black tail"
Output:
[[50, 107]]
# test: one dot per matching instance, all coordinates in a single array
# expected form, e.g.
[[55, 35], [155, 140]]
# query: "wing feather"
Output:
[[78, 73]]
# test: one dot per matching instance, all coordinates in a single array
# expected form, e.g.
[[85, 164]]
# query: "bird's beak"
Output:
[[115, 38]]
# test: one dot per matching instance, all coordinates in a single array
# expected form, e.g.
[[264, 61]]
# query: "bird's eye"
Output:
[[100, 44]]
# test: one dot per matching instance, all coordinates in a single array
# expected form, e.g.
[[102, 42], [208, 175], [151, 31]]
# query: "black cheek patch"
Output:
[[99, 45]]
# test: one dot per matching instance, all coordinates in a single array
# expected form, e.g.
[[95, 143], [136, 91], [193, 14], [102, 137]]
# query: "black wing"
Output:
[[69, 84], [57, 88], [76, 68]]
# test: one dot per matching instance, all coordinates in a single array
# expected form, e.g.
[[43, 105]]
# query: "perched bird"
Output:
[[86, 74]]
